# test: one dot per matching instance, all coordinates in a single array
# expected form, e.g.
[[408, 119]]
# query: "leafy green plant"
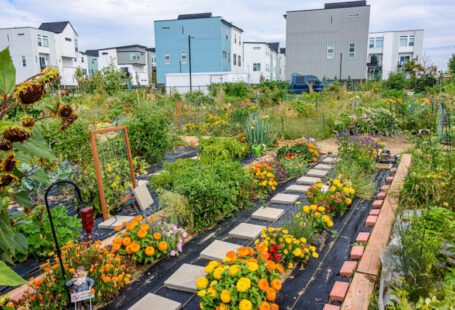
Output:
[[215, 148], [361, 179], [259, 131], [177, 209]]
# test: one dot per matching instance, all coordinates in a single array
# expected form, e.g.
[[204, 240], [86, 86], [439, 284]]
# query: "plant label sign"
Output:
[[81, 296]]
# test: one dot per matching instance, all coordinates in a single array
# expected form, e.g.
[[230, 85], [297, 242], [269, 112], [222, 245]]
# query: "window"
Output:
[[354, 15], [40, 42], [403, 40], [235, 38], [167, 58], [404, 59], [240, 40], [227, 36], [165, 28], [224, 54], [133, 55], [371, 44], [239, 60], [234, 59], [24, 62], [82, 59], [256, 67], [411, 40], [183, 58], [45, 41], [379, 42], [104, 53], [351, 53], [330, 50], [256, 48], [20, 34], [68, 39], [76, 47]]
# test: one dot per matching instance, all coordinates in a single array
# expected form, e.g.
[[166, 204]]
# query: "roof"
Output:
[[56, 27], [406, 30], [92, 53], [150, 49], [275, 46], [125, 46], [347, 4], [195, 16]]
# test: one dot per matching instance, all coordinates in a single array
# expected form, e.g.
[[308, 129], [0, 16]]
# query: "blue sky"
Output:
[[105, 23]]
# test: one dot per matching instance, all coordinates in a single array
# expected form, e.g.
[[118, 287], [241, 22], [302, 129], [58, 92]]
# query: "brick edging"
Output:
[[367, 273]]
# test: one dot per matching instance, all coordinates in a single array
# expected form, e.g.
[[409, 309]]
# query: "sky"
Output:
[[107, 23]]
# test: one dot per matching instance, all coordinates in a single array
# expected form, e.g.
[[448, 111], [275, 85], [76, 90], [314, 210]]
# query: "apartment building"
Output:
[[132, 59], [331, 42], [51, 44], [216, 45], [262, 61], [389, 51], [92, 61], [282, 61]]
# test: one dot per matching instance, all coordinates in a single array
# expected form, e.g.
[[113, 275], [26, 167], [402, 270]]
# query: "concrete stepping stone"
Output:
[[152, 301], [268, 214], [113, 221], [217, 250], [317, 173], [308, 180], [297, 189], [348, 268], [323, 167], [339, 291], [286, 199], [329, 160], [246, 231], [184, 278]]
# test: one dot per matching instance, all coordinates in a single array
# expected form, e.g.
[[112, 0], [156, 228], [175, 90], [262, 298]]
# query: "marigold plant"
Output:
[[265, 177], [305, 151], [309, 223], [334, 195]]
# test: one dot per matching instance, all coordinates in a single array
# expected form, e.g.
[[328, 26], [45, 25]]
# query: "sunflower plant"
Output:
[[335, 195], [147, 241], [245, 280]]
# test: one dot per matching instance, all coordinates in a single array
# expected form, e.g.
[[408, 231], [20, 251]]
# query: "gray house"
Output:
[[331, 42]]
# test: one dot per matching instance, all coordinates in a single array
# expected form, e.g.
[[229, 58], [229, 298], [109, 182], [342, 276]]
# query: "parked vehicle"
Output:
[[301, 83]]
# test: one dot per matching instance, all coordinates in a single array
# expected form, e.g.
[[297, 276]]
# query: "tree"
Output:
[[451, 67]]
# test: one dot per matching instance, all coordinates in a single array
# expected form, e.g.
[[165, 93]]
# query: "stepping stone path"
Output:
[[323, 167], [286, 199], [297, 189], [184, 278], [152, 301], [268, 214], [329, 160], [246, 231], [308, 180], [114, 221], [317, 173], [217, 250]]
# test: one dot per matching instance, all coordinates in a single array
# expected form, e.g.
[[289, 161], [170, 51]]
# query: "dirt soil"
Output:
[[396, 145]]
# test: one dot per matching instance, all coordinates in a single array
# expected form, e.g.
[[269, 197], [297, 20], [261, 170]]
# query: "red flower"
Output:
[[278, 257]]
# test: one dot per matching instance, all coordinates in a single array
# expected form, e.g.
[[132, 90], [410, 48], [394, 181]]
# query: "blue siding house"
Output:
[[210, 44]]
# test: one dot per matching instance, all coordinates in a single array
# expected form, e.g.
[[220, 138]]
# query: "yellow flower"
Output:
[[252, 266], [315, 255], [243, 284], [346, 191], [212, 292], [233, 270], [245, 304], [211, 266], [225, 296], [330, 224], [202, 283], [306, 209], [298, 252], [290, 265], [218, 272], [321, 209], [202, 293], [314, 207], [348, 201], [333, 188]]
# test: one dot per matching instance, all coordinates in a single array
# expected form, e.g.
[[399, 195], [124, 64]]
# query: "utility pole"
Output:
[[189, 55]]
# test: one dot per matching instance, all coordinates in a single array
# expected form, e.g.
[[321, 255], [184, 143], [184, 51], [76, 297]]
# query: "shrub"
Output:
[[396, 81], [238, 89], [215, 148], [149, 133], [177, 209]]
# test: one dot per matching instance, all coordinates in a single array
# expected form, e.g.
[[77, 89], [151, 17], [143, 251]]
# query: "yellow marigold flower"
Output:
[[298, 252], [315, 255], [245, 304], [233, 270], [212, 292], [243, 284], [333, 188], [225, 296], [202, 293], [314, 207], [218, 272], [348, 201], [330, 224], [346, 191], [201, 283], [252, 266], [321, 209], [306, 209]]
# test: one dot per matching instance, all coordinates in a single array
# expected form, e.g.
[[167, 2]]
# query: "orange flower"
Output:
[[231, 254], [118, 240], [149, 251], [261, 247], [263, 285], [265, 255], [271, 294], [264, 306], [276, 284], [243, 251], [162, 246], [157, 235], [118, 228], [138, 218], [271, 266], [279, 268], [126, 241], [135, 247], [275, 307], [142, 233], [145, 227]]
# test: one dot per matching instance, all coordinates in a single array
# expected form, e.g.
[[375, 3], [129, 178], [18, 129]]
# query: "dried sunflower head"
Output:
[[30, 92], [6, 145], [68, 121], [48, 75], [28, 121], [7, 179], [65, 111], [9, 163], [16, 134]]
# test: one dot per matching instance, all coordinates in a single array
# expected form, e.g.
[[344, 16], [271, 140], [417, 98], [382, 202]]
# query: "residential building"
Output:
[[282, 61], [331, 42], [33, 49], [92, 61], [151, 64], [132, 59], [389, 51], [216, 45], [262, 61]]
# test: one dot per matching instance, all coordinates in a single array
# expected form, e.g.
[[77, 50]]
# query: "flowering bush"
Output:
[[111, 272], [334, 195], [147, 242], [244, 281], [264, 175], [364, 150], [303, 151], [282, 247], [294, 167], [309, 221]]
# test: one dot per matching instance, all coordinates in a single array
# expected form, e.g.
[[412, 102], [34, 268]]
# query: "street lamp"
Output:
[[190, 69]]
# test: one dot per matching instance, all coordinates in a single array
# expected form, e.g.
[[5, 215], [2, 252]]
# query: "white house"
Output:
[[133, 59], [390, 50], [236, 50], [52, 44], [262, 61], [282, 64]]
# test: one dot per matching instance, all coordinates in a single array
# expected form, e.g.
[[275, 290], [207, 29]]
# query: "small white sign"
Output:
[[81, 296]]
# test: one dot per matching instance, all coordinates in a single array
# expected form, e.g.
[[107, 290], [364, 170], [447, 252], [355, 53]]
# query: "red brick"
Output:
[[389, 179], [381, 196], [330, 307], [393, 170], [385, 188], [362, 237], [375, 212], [339, 291], [377, 204], [356, 252], [348, 268], [371, 220]]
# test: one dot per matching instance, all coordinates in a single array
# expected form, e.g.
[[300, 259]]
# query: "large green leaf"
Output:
[[37, 146], [8, 277], [40, 176], [7, 73], [23, 198]]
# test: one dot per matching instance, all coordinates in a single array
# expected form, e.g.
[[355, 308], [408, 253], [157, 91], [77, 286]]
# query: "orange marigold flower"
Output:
[[118, 228], [138, 218], [271, 266], [271, 294], [276, 284], [162, 246], [263, 285], [264, 306], [231, 254], [126, 241], [279, 268], [135, 247], [142, 233], [145, 227], [118, 240], [157, 235], [149, 251], [243, 251], [275, 307]]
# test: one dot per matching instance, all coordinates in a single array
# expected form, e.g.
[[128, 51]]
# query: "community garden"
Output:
[[258, 199]]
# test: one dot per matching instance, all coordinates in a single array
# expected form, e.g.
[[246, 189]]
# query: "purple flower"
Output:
[[185, 234], [179, 246], [173, 253]]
